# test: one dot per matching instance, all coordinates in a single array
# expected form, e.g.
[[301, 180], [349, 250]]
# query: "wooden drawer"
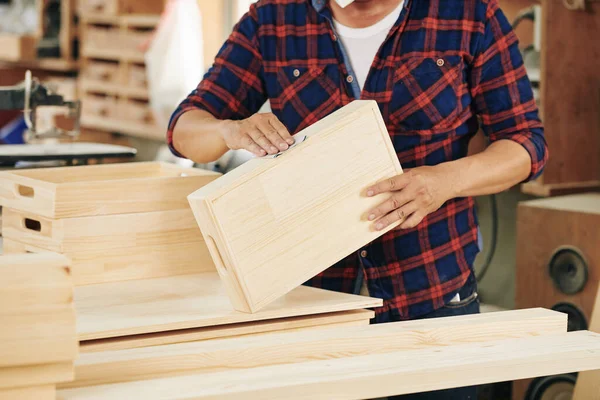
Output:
[[99, 71], [99, 106], [137, 111], [137, 76], [98, 6], [112, 248], [134, 40], [103, 37], [101, 189], [274, 223], [121, 6]]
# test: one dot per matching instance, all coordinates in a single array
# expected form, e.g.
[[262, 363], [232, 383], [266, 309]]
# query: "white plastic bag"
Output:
[[174, 59]]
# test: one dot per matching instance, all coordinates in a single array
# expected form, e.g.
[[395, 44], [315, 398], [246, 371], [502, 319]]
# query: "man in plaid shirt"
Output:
[[439, 69]]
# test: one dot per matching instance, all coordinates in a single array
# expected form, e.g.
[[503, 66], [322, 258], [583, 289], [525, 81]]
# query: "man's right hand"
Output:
[[260, 134]]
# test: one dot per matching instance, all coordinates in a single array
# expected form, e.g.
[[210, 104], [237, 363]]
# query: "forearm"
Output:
[[200, 137], [500, 166]]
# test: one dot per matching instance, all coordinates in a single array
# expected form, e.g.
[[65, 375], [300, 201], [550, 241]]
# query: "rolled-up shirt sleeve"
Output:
[[233, 87], [502, 93]]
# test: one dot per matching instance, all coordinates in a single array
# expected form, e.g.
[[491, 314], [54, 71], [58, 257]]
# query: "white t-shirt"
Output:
[[362, 44]]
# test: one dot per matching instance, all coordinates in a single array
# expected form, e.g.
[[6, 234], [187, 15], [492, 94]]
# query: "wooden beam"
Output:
[[343, 318], [587, 386], [305, 346], [189, 301], [273, 212], [371, 376]]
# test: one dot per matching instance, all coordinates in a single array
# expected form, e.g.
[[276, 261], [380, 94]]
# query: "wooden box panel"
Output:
[[101, 72], [114, 247], [101, 189], [114, 7], [16, 47], [273, 223], [99, 105]]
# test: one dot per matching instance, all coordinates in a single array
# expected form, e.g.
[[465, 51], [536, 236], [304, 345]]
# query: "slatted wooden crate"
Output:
[[273, 223], [109, 248], [101, 189]]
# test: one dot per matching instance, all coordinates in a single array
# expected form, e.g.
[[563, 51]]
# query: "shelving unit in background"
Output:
[[112, 79]]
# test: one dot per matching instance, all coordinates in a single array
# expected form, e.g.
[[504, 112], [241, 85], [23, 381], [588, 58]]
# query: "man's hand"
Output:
[[415, 194], [260, 134]]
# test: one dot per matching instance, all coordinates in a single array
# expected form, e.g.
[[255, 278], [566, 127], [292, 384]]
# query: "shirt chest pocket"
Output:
[[426, 94], [302, 95]]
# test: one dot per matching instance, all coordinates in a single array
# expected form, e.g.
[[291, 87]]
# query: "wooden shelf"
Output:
[[559, 189], [48, 64], [153, 132], [113, 89], [133, 20], [118, 55]]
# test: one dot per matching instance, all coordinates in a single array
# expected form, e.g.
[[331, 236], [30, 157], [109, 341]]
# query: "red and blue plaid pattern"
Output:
[[446, 68]]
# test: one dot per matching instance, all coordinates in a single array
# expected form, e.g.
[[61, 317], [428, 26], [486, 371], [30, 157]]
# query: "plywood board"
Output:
[[342, 318], [110, 248], [297, 347], [372, 376], [37, 337], [31, 280], [304, 209], [587, 386], [189, 301], [101, 189], [47, 392], [36, 375]]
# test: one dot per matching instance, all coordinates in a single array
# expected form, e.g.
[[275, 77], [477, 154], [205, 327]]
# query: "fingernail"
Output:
[[283, 146], [370, 193], [290, 141], [274, 149], [379, 227], [371, 217], [262, 153]]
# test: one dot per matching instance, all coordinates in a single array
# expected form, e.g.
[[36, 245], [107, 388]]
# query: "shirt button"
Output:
[[363, 253], [296, 73], [349, 79], [440, 62]]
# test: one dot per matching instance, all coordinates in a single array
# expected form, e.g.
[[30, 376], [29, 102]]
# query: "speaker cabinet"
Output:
[[558, 267]]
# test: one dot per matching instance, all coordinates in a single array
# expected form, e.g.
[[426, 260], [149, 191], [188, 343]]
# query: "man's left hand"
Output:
[[414, 194]]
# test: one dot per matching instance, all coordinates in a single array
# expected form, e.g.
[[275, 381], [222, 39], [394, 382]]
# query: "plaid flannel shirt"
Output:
[[446, 68]]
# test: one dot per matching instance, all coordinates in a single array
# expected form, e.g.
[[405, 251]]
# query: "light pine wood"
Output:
[[339, 319], [109, 248], [17, 47], [321, 344], [36, 375], [36, 337], [372, 376], [31, 280], [189, 301], [47, 392], [587, 386], [304, 210], [101, 189]]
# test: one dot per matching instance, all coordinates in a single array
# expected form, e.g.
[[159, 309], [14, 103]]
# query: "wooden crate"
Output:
[[101, 189], [273, 223], [17, 47], [109, 248], [101, 71], [100, 106], [121, 6]]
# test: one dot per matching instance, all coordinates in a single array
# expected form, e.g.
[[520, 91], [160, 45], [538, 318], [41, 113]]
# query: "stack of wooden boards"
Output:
[[347, 363], [38, 340], [304, 209], [115, 222]]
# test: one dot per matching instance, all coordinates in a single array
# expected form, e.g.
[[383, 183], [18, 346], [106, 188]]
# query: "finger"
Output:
[[412, 221], [281, 129], [253, 147], [399, 214], [397, 182], [272, 135], [396, 200], [262, 141]]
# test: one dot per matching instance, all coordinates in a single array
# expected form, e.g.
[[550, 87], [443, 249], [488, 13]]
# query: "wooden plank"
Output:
[[37, 337], [47, 392], [371, 376], [569, 103], [344, 318], [272, 212], [587, 386], [101, 189], [536, 188], [189, 301], [109, 248], [27, 281], [36, 375], [297, 347]]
